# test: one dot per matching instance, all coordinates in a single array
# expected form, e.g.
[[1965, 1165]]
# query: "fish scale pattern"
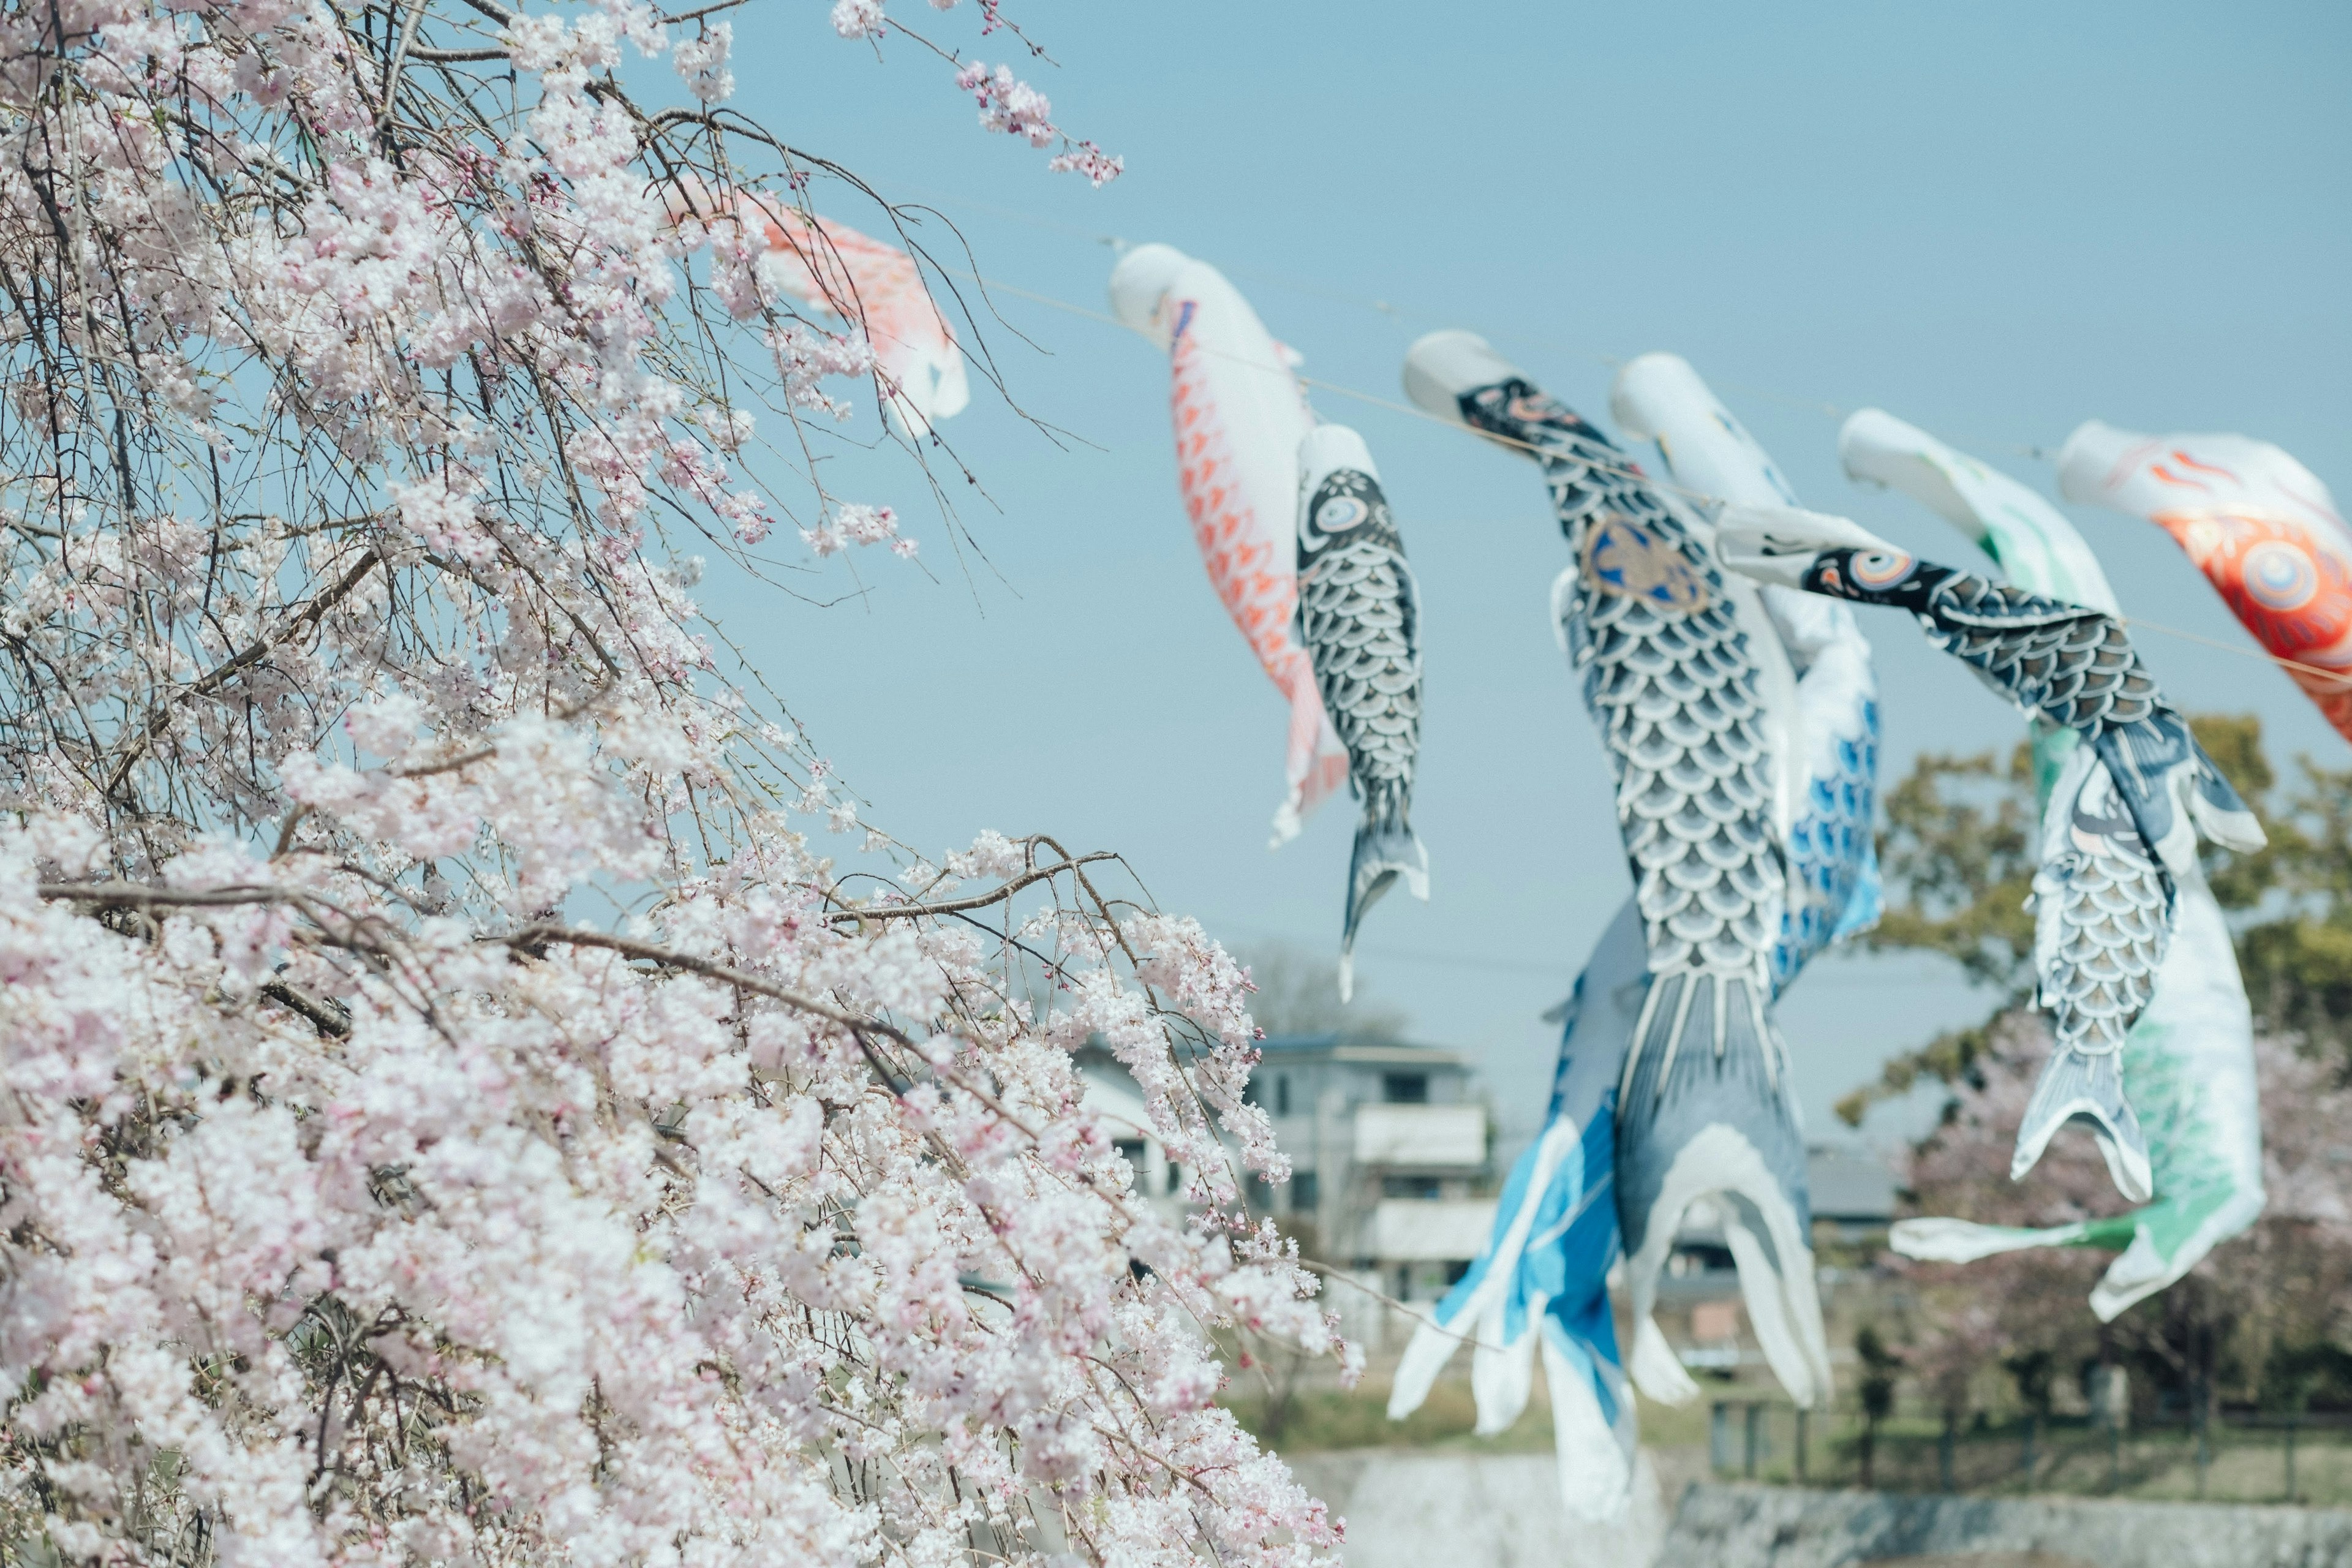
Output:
[[1832, 867], [2112, 906], [1669, 678], [1359, 614], [2103, 900], [2074, 667]]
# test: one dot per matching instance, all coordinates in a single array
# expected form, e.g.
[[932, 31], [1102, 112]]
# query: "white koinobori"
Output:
[[1359, 617], [2189, 1062], [1239, 415], [1681, 1038], [2127, 807]]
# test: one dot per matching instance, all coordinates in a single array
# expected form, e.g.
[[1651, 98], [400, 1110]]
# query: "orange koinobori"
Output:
[[1240, 415], [2260, 525], [830, 267]]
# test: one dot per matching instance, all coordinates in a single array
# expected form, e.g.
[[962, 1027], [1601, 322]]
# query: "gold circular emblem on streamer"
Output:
[[1621, 557]]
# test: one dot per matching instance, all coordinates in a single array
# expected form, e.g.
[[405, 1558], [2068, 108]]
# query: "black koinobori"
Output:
[[1704, 1108], [1360, 620], [2127, 806]]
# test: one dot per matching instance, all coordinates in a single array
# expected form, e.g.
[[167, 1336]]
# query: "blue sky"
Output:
[[1993, 221]]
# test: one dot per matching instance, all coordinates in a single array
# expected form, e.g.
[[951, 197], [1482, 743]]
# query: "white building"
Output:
[[1389, 1156], [1390, 1159]]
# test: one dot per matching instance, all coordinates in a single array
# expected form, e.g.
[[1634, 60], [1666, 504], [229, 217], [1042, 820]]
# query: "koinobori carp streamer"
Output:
[[1543, 1279], [1240, 415], [832, 268], [1359, 618], [1825, 726], [2189, 1062], [2125, 815], [2260, 525], [1704, 1106]]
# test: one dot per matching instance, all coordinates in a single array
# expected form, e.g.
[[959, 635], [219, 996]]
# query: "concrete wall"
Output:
[[1737, 1526], [1422, 1510]]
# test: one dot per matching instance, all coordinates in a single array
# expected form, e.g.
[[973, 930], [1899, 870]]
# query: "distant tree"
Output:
[[1959, 849], [1880, 1369], [2297, 1372], [2245, 1310], [2297, 958], [1958, 855], [1299, 993], [2035, 1372]]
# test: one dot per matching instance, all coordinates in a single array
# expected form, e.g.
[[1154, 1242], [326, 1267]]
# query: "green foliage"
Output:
[[2295, 1373], [1958, 849], [2298, 961]]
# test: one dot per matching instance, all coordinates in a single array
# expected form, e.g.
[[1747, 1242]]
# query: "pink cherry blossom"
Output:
[[467, 1101]]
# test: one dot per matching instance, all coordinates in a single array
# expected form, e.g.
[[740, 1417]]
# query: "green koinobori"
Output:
[[2189, 1062]]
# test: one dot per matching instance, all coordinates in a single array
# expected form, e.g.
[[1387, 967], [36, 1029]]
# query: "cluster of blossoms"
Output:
[[1006, 103], [2285, 1281], [362, 1201], [856, 524], [1016, 109]]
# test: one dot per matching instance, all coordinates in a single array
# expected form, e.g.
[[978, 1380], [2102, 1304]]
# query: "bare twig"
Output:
[[978, 900], [220, 675]]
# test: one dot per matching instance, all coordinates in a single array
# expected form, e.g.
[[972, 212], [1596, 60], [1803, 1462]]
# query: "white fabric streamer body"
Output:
[[2189, 1062]]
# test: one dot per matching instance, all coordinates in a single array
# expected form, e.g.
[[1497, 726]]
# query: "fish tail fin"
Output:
[[2074, 1086], [1477, 1308], [2192, 1223], [1782, 1297], [1387, 851], [1704, 1113], [1502, 1378], [1593, 1431], [1433, 1344], [1657, 1371]]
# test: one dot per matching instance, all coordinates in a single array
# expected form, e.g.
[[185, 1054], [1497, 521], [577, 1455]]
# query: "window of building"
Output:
[[1132, 1151], [1282, 1095], [1422, 1187], [1175, 1177], [1306, 1192], [1405, 1088]]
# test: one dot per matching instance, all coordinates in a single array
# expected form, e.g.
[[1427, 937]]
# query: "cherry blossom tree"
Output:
[[2260, 1299], [374, 375]]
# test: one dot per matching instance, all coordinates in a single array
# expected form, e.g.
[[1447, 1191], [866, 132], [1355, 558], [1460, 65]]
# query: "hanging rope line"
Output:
[[1337, 389], [1119, 244]]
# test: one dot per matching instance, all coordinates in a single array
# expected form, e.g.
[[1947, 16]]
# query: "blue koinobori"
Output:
[[1668, 1022]]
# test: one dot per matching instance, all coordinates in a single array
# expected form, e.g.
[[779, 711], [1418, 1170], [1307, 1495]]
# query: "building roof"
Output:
[[1846, 1187], [1849, 1184], [1335, 1046]]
